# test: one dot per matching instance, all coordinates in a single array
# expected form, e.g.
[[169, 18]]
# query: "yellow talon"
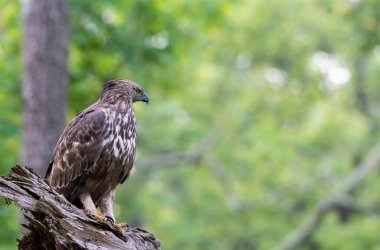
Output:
[[97, 215], [119, 227]]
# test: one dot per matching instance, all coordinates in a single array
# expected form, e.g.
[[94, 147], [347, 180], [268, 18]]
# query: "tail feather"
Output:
[[48, 172]]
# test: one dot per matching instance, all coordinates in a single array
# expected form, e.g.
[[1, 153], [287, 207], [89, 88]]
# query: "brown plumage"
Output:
[[96, 151]]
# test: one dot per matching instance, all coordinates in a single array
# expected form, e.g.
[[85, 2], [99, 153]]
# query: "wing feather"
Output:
[[80, 142]]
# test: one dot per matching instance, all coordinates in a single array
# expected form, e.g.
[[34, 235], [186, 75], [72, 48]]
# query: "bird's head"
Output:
[[122, 90]]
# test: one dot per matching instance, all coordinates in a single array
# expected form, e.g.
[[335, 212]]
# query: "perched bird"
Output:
[[96, 151]]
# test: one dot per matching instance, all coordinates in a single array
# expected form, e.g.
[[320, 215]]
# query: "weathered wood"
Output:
[[54, 223]]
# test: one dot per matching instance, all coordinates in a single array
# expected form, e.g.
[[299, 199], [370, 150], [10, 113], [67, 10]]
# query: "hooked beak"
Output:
[[145, 98]]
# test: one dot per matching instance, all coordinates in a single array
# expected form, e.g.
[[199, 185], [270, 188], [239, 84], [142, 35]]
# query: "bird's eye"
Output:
[[138, 91]]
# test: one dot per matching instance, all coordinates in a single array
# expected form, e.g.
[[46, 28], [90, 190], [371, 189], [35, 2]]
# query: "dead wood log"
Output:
[[54, 223]]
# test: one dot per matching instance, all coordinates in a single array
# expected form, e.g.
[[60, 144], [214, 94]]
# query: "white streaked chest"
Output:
[[122, 139]]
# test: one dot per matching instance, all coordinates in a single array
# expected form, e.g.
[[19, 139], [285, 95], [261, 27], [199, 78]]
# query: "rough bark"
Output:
[[45, 38], [54, 223]]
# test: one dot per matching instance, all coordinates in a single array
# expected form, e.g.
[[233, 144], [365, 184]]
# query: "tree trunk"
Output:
[[45, 51], [54, 223]]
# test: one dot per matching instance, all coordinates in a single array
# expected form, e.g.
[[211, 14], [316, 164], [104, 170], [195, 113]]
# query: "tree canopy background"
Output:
[[258, 110]]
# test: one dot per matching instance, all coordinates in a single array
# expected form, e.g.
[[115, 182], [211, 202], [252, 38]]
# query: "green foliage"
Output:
[[289, 134], [10, 61]]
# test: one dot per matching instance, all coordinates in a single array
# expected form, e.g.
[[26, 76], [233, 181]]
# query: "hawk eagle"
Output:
[[95, 152]]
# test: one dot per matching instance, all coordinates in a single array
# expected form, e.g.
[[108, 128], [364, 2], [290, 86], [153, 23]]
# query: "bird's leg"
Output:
[[90, 208], [106, 207]]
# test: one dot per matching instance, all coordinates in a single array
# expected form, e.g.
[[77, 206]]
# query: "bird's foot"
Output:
[[119, 227], [97, 215], [110, 219]]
